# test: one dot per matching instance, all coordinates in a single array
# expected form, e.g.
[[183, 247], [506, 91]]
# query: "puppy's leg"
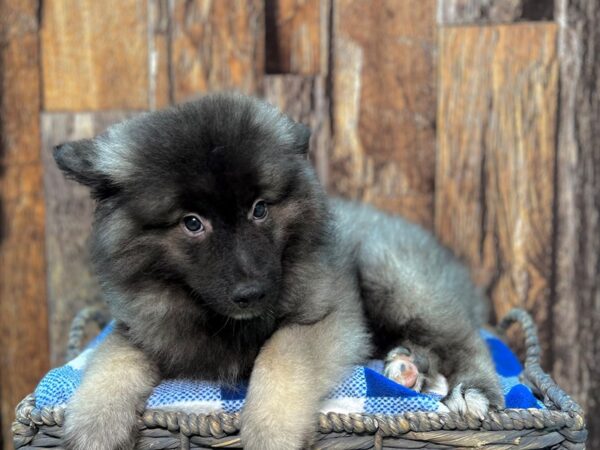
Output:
[[102, 415], [296, 368], [474, 386], [432, 302]]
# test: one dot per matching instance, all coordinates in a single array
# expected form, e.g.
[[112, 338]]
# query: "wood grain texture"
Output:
[[217, 45], [304, 99], [23, 314], [95, 54], [384, 76], [482, 12], [159, 54], [576, 313], [295, 34], [69, 211], [495, 166]]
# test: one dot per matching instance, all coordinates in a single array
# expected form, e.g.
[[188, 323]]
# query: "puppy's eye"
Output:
[[259, 210], [193, 224]]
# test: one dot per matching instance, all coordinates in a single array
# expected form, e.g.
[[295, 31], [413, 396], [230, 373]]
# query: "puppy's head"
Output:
[[214, 198]]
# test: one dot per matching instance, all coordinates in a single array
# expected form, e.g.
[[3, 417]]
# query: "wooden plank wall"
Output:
[[576, 302], [23, 317], [475, 118], [495, 160], [383, 98]]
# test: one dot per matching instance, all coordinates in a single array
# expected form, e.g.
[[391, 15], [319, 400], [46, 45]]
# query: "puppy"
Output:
[[222, 258]]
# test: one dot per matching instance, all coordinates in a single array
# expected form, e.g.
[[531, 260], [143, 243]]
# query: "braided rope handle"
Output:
[[533, 371], [76, 333]]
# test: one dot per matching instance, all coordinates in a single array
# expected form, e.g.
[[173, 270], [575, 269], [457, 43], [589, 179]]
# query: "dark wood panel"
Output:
[[482, 12], [95, 54], [576, 313], [304, 99], [69, 211], [23, 314], [217, 45], [296, 36], [495, 164], [384, 77]]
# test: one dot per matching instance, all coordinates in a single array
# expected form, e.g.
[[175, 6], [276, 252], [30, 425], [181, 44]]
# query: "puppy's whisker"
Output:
[[222, 328], [270, 314]]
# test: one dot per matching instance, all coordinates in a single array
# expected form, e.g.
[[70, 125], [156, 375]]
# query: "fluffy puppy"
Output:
[[221, 258]]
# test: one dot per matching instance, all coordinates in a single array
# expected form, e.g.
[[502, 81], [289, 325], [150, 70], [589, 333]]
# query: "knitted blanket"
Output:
[[365, 389]]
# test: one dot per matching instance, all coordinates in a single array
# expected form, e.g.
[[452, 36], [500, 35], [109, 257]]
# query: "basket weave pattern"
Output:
[[561, 426]]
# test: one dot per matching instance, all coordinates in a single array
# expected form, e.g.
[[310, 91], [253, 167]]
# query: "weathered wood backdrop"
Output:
[[476, 118]]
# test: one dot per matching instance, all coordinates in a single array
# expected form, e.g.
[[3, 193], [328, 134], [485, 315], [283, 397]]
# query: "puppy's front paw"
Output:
[[470, 401], [264, 435], [273, 421], [99, 430]]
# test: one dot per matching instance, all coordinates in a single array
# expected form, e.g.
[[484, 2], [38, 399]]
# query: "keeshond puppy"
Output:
[[222, 258]]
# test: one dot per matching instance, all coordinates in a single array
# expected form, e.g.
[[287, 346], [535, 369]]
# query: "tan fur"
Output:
[[296, 368], [103, 412]]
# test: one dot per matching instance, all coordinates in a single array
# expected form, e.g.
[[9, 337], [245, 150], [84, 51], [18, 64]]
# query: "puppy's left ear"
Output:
[[78, 160], [301, 138]]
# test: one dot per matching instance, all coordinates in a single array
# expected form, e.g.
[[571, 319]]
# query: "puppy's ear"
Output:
[[78, 161], [301, 138]]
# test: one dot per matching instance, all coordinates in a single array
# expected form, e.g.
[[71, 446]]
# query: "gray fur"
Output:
[[418, 295], [338, 282]]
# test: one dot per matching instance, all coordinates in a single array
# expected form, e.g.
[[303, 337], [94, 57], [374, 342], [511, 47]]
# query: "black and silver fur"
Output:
[[332, 282]]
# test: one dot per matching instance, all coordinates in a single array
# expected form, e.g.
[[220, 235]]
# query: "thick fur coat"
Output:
[[221, 257]]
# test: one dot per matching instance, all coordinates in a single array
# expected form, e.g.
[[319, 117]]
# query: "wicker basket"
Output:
[[561, 426]]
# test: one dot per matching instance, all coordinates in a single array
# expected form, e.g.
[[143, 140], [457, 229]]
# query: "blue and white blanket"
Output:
[[365, 390]]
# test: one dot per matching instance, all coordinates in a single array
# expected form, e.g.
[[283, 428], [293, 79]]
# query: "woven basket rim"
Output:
[[562, 412]]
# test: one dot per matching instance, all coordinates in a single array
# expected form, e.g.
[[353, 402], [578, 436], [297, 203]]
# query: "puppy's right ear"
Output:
[[78, 161], [301, 138]]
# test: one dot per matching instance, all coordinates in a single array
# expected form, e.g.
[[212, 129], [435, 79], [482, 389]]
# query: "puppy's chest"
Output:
[[225, 356]]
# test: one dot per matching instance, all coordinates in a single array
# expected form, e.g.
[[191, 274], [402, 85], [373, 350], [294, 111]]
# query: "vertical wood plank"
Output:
[[576, 324], [69, 211], [384, 76], [464, 12], [95, 54], [217, 45], [303, 98], [294, 36], [495, 166], [23, 314], [159, 57]]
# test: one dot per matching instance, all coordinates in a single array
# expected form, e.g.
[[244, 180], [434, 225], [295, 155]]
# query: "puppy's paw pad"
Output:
[[468, 401], [400, 367]]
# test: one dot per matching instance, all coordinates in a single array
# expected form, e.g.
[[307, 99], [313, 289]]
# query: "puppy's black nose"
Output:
[[247, 293]]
